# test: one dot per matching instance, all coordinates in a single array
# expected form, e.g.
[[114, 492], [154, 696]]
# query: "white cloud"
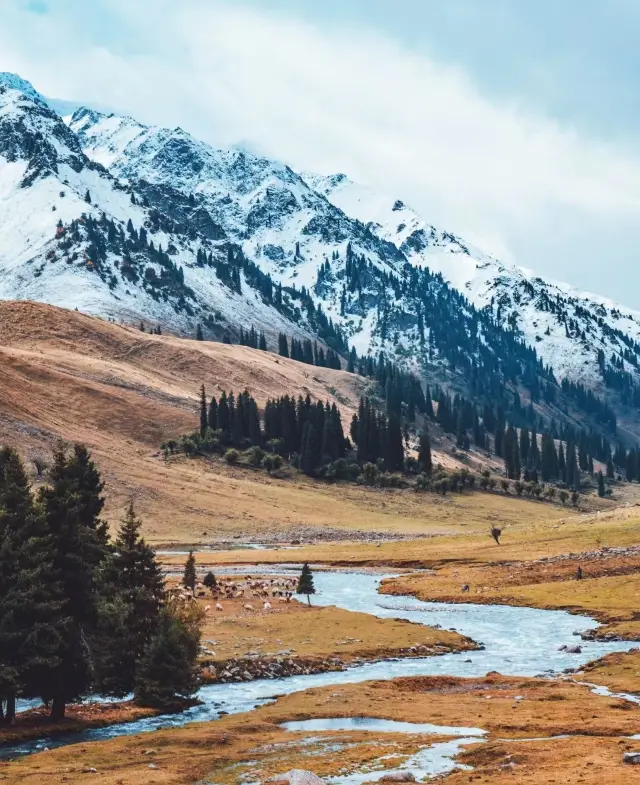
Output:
[[348, 100]]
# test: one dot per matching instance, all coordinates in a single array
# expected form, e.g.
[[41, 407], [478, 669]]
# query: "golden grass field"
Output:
[[314, 632], [253, 746], [123, 392]]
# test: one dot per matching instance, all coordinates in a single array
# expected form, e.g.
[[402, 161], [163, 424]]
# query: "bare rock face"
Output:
[[297, 777]]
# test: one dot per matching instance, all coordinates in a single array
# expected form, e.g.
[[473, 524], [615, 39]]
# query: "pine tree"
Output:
[[199, 335], [601, 489], [87, 197], [132, 592], [424, 454], [204, 413], [167, 675], [610, 468], [309, 451], [209, 581], [30, 595], [305, 582], [212, 418], [189, 576], [71, 506]]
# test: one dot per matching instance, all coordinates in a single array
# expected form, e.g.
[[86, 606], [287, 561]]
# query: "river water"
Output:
[[517, 641]]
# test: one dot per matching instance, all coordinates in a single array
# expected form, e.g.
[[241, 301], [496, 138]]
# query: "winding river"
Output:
[[517, 641]]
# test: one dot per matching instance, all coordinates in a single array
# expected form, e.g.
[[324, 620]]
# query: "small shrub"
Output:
[[254, 456], [369, 473], [272, 462], [232, 456]]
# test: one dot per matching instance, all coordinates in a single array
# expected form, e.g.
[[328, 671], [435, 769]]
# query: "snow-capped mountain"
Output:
[[567, 327], [102, 213], [73, 235]]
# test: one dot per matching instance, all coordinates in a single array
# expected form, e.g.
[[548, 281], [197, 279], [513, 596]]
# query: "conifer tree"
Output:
[[209, 581], [71, 506], [30, 595], [168, 673], [212, 417], [305, 582], [309, 449], [424, 454], [131, 592], [199, 335], [189, 576], [601, 489], [204, 413]]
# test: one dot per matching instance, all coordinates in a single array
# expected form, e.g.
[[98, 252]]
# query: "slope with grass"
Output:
[[124, 392]]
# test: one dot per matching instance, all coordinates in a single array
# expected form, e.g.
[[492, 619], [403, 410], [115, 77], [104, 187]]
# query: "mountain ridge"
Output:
[[173, 231]]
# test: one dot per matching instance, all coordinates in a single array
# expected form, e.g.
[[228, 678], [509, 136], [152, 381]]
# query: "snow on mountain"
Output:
[[103, 213], [65, 239], [567, 327], [263, 206]]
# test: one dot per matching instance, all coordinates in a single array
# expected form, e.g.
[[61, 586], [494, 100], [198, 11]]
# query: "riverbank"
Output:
[[255, 746], [35, 723], [243, 640]]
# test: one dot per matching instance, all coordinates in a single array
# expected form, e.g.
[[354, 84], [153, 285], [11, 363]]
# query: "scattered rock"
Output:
[[297, 777], [633, 758], [398, 776]]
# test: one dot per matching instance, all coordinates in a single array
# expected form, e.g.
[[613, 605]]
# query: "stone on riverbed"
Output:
[[398, 776], [297, 777]]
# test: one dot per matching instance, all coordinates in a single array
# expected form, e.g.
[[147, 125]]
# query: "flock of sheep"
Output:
[[280, 588]]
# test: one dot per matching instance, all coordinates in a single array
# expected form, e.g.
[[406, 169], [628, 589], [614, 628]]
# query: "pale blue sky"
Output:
[[511, 122]]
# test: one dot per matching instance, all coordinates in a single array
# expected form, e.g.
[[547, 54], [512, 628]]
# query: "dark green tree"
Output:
[[199, 335], [131, 596], [71, 506], [168, 674], [204, 413], [601, 488], [210, 581], [189, 576], [30, 596], [425, 462], [305, 583]]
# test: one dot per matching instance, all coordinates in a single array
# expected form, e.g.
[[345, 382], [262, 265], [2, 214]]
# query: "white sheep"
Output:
[[219, 607], [248, 607], [267, 606]]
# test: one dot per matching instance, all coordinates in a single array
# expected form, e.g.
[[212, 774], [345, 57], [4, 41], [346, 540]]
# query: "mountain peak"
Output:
[[15, 82]]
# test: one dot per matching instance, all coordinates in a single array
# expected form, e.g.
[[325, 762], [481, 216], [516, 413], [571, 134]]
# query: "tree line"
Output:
[[80, 613]]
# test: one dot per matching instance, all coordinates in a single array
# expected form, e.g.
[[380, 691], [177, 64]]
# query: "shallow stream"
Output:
[[516, 641]]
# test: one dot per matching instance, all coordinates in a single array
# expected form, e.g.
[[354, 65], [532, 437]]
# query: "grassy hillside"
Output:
[[123, 392]]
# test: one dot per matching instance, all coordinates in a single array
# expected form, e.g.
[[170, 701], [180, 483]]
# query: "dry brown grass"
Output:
[[314, 632], [235, 747], [123, 392]]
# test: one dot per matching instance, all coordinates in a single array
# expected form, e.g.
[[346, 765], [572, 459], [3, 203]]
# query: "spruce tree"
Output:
[[204, 414], [71, 506], [424, 454], [199, 335], [189, 576], [601, 489], [209, 581], [168, 673], [212, 418], [309, 450], [131, 597], [30, 595], [305, 582]]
